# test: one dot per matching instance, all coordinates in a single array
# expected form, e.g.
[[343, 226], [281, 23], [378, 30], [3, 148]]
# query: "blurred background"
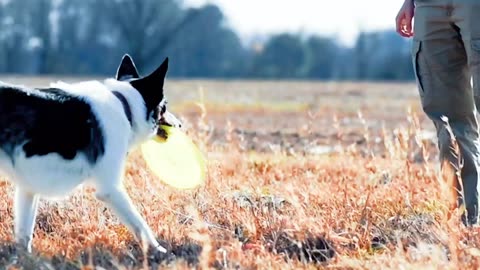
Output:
[[227, 39]]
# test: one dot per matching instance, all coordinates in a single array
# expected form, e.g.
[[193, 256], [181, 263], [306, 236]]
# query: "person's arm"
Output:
[[404, 19]]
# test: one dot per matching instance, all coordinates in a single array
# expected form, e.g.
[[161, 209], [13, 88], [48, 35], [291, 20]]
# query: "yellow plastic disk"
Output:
[[176, 161]]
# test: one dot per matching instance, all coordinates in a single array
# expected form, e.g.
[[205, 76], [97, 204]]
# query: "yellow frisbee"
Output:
[[176, 161]]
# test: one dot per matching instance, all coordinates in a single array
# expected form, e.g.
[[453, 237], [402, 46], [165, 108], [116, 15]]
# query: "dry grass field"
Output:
[[301, 175]]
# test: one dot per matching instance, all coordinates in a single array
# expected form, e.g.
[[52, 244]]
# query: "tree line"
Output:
[[88, 37]]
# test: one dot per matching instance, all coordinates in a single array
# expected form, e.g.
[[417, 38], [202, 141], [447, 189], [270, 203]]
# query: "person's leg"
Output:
[[443, 77], [466, 16]]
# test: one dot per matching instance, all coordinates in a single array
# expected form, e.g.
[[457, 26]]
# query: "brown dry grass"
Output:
[[376, 199]]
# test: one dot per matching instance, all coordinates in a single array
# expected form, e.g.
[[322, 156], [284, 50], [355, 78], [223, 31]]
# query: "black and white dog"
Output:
[[54, 139]]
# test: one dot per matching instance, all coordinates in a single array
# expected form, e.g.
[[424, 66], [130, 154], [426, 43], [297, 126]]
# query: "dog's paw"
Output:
[[161, 249]]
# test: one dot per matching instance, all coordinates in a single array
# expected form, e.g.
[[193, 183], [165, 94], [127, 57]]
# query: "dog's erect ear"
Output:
[[151, 86], [158, 76], [127, 69]]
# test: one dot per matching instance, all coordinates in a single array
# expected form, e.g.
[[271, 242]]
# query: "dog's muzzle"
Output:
[[168, 119]]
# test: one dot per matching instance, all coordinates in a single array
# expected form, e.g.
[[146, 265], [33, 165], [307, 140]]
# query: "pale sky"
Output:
[[342, 18]]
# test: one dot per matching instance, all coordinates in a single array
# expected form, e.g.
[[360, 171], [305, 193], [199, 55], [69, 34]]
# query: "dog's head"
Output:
[[150, 88]]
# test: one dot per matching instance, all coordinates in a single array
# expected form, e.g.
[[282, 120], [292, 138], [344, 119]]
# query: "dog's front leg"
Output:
[[25, 211], [119, 201]]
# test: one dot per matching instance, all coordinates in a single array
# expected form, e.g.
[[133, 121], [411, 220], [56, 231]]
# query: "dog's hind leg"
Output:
[[25, 211], [119, 201]]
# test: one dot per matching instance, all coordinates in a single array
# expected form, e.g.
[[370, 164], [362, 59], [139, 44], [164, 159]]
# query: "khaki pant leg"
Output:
[[466, 16], [442, 71]]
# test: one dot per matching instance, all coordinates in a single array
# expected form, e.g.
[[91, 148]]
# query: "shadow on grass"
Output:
[[100, 256], [311, 250], [314, 249]]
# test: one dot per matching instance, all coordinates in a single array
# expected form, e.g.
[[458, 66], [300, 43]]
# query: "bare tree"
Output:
[[39, 26], [147, 26]]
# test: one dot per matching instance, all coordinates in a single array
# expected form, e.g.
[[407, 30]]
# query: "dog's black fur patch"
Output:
[[48, 121], [151, 89]]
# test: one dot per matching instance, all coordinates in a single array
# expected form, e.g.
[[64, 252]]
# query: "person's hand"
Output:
[[404, 19]]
